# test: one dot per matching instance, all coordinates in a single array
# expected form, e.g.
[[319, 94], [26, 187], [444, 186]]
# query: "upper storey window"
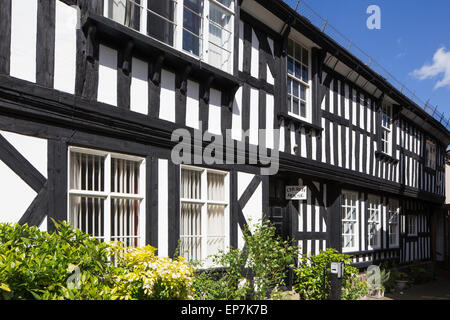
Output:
[[298, 80], [386, 129], [431, 154], [200, 28]]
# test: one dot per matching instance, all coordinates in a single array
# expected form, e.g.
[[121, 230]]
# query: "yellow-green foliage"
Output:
[[146, 276], [70, 265]]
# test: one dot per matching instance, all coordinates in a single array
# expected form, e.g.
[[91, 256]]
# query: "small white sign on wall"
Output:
[[296, 192]]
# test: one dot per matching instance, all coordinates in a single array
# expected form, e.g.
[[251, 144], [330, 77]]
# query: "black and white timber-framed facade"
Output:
[[91, 91]]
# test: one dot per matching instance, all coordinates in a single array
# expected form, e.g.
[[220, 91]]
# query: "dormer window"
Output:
[[386, 129], [298, 81], [431, 155], [200, 28]]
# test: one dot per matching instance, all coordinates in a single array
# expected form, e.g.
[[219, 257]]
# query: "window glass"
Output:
[[349, 217], [220, 37], [386, 129], [374, 221], [160, 20], [203, 208], [89, 193], [192, 26], [430, 154], [125, 12], [205, 29], [393, 223], [226, 3], [298, 77], [412, 225]]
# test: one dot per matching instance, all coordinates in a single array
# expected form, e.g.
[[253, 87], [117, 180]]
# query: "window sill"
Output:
[[299, 123], [384, 156], [349, 250], [157, 52], [355, 252]]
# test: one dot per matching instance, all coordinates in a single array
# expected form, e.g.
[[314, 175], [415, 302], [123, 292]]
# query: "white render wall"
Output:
[[15, 194], [167, 97], [139, 86], [163, 209], [23, 39], [65, 47], [253, 210], [107, 76]]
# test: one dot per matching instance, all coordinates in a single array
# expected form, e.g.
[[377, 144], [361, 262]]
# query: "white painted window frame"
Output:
[[107, 195], [430, 160], [204, 210], [393, 208], [378, 224], [355, 222], [411, 221], [387, 128], [178, 26], [308, 84], [206, 31]]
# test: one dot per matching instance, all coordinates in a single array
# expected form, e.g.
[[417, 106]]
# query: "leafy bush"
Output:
[[225, 283], [265, 260], [36, 265], [143, 275], [355, 289], [41, 265], [312, 271], [269, 257]]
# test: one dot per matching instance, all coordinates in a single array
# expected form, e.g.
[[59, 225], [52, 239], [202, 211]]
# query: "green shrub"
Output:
[[355, 289], [37, 265], [312, 271], [70, 265], [225, 283], [269, 258], [143, 275], [266, 260]]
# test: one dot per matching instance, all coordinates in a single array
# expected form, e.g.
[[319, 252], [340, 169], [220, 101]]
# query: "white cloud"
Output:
[[441, 64]]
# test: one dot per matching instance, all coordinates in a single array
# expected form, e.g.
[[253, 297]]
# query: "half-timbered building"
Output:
[[92, 90]]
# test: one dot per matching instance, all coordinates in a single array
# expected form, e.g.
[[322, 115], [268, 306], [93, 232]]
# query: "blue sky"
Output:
[[413, 42]]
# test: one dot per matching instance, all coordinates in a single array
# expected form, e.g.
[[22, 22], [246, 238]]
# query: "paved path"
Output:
[[438, 289]]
